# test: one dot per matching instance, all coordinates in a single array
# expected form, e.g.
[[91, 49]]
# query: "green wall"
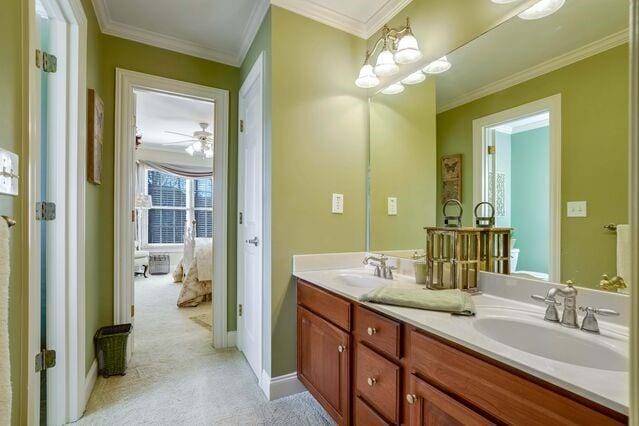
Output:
[[530, 192], [11, 135], [319, 146], [403, 144], [594, 163]]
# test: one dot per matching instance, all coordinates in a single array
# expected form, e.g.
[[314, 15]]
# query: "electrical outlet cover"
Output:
[[392, 206], [577, 209]]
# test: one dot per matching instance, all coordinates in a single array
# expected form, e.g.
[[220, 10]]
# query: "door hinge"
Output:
[[241, 125], [44, 360], [132, 215], [46, 61], [45, 210], [132, 311], [492, 149], [240, 309], [241, 218]]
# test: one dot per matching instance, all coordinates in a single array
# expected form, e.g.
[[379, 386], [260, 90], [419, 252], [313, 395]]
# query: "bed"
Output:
[[195, 270]]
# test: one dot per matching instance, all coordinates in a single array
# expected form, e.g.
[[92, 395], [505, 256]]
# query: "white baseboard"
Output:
[[231, 339], [280, 386], [89, 382]]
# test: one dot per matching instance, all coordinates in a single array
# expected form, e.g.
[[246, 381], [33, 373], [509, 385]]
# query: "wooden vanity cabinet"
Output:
[[366, 368]]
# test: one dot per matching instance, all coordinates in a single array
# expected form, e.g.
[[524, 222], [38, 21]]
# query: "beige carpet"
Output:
[[176, 377], [204, 320]]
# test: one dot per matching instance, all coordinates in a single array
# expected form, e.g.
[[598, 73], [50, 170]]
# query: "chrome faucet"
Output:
[[590, 321], [382, 269], [569, 315]]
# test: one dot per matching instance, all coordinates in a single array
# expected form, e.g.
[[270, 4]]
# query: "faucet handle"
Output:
[[590, 320], [547, 300], [551, 312]]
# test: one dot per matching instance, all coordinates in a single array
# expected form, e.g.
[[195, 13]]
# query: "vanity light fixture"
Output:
[[398, 47], [437, 67], [541, 9], [393, 89], [414, 78]]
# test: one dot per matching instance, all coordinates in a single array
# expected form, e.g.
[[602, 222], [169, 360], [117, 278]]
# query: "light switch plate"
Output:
[[8, 172], [577, 209], [392, 206], [338, 203]]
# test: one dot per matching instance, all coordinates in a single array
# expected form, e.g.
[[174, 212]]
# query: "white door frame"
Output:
[[552, 104], [65, 306], [125, 83], [255, 75]]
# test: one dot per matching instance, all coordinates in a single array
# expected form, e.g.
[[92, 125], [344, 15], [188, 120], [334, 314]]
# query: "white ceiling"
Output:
[[524, 124], [222, 30], [158, 112]]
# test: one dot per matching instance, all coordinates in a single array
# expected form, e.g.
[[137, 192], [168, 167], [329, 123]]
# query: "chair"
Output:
[[141, 260]]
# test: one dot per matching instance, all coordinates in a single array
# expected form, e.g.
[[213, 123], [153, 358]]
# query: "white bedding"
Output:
[[195, 270], [204, 258]]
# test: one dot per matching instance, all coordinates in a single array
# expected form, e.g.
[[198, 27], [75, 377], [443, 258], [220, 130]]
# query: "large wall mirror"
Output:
[[531, 116]]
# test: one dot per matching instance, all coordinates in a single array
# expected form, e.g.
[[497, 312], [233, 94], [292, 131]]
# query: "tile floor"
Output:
[[176, 377]]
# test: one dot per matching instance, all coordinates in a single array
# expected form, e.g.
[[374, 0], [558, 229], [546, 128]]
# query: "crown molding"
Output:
[[591, 49], [330, 17], [110, 27], [252, 27]]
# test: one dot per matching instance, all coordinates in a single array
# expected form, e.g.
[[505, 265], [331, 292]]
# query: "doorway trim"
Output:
[[551, 104], [255, 74], [67, 332], [125, 83]]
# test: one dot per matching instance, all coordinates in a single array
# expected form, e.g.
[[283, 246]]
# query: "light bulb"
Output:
[[414, 78], [385, 65], [197, 146], [437, 67], [189, 149], [407, 50], [367, 77], [541, 9], [394, 89]]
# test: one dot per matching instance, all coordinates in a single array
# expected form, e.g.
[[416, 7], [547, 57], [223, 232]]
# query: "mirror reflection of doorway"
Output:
[[517, 172]]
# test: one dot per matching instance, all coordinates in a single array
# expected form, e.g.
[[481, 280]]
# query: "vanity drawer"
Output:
[[508, 397], [377, 381], [366, 416], [324, 304], [380, 332]]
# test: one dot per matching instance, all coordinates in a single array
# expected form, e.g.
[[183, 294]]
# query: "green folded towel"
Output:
[[454, 301]]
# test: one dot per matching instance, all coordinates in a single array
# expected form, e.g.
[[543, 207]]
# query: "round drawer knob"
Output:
[[341, 348], [411, 398], [371, 381], [371, 331]]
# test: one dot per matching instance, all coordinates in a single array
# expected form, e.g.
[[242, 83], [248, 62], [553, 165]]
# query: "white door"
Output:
[[250, 220]]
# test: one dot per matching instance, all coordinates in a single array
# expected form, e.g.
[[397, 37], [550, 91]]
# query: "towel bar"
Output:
[[10, 221]]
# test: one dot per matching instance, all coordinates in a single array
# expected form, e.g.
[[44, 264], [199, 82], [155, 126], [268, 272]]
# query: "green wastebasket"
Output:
[[110, 348]]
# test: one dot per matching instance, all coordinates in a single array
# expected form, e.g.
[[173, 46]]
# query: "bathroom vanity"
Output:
[[371, 364]]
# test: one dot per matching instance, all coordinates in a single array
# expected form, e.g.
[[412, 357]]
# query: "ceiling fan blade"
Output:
[[177, 133]]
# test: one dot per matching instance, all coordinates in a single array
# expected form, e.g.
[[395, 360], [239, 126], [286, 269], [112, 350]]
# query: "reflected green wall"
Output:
[[594, 152], [11, 135], [402, 164], [530, 191], [319, 146]]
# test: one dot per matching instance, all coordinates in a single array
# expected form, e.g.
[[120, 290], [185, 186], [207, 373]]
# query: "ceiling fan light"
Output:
[[189, 149], [415, 78], [208, 153], [197, 146], [541, 9], [437, 67], [393, 89], [407, 50], [367, 77], [385, 65]]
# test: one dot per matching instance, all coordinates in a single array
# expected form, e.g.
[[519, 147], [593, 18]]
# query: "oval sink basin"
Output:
[[552, 341], [361, 280]]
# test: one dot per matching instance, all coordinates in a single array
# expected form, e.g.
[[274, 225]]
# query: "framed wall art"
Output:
[[451, 173]]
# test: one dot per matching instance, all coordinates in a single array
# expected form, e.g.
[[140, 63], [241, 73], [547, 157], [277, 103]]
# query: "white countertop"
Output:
[[608, 388]]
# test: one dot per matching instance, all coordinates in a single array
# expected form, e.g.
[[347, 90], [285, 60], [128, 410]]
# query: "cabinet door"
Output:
[[323, 363], [429, 406]]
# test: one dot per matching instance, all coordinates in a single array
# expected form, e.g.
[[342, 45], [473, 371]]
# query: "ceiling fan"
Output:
[[200, 142]]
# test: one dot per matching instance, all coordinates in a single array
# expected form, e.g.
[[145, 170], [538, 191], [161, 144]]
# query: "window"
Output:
[[176, 201]]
